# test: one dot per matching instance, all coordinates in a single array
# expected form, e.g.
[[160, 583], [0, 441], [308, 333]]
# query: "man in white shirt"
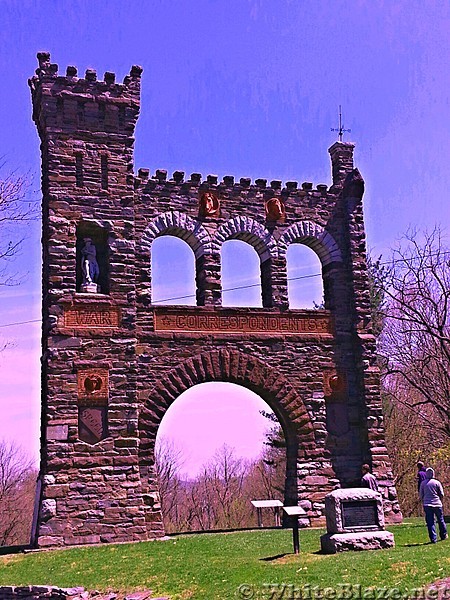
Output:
[[368, 480]]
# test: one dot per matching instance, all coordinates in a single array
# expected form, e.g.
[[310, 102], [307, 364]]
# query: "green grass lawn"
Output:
[[213, 566]]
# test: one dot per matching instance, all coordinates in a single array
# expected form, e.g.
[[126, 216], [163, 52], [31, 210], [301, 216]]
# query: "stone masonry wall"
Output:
[[111, 364]]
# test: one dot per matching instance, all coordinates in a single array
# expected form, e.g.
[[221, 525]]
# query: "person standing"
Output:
[[431, 494], [368, 480], [421, 474]]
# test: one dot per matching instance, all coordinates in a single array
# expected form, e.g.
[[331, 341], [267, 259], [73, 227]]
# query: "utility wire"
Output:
[[243, 287]]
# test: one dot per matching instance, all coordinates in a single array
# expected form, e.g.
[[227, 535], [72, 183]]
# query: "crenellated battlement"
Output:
[[145, 180], [66, 102], [49, 71]]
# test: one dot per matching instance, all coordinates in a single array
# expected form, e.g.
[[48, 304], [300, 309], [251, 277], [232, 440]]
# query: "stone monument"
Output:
[[113, 361], [355, 521]]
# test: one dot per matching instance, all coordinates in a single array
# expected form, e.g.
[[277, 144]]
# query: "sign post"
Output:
[[294, 512]]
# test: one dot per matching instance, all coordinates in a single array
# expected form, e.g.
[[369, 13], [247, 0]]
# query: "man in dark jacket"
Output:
[[431, 494], [421, 474]]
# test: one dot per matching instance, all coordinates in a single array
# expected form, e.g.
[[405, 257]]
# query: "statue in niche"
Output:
[[208, 205], [275, 210], [89, 266]]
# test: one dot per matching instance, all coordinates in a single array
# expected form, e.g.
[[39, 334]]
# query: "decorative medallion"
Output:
[[208, 205], [334, 383], [93, 387]]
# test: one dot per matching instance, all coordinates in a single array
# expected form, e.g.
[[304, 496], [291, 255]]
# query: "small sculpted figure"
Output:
[[208, 205], [89, 264], [275, 210]]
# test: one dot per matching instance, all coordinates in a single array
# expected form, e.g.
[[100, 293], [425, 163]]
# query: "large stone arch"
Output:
[[315, 237], [113, 360], [234, 367], [229, 366]]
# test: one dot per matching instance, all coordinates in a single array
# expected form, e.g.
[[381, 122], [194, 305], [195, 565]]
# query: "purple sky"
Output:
[[243, 88]]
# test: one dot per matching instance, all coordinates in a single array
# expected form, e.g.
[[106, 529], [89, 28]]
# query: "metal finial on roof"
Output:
[[341, 129]]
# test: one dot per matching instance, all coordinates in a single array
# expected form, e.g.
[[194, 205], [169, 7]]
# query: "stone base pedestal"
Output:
[[89, 288], [365, 540]]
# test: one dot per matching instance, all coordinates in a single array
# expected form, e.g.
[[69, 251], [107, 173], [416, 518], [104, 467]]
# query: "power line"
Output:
[[251, 285], [21, 323], [241, 287]]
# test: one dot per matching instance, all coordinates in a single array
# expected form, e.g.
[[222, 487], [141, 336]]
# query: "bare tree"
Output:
[[169, 462], [17, 485], [16, 210], [415, 342]]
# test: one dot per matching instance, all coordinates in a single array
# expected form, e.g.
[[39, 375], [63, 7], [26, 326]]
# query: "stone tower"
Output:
[[113, 362]]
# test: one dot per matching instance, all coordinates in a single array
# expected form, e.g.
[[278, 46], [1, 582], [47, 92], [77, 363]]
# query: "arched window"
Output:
[[173, 271], [241, 275], [304, 271]]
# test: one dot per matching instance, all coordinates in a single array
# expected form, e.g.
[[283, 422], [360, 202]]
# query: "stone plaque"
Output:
[[360, 513], [304, 323], [93, 387], [92, 317], [337, 418], [92, 424]]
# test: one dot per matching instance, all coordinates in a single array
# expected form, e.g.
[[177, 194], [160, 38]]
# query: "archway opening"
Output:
[[241, 275], [173, 272], [218, 447], [305, 284]]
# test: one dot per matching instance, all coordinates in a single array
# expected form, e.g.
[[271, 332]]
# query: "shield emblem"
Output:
[[92, 424]]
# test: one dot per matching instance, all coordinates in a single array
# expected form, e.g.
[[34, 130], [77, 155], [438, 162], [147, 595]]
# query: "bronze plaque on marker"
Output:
[[92, 317], [304, 323], [360, 513]]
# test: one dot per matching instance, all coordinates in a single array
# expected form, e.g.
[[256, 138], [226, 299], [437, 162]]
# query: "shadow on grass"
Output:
[[14, 549], [276, 557], [413, 545]]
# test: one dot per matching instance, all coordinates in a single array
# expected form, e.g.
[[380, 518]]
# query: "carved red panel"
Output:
[[229, 321], [91, 317]]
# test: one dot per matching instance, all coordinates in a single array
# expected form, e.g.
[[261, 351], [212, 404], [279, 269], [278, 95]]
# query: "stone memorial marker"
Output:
[[355, 521]]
